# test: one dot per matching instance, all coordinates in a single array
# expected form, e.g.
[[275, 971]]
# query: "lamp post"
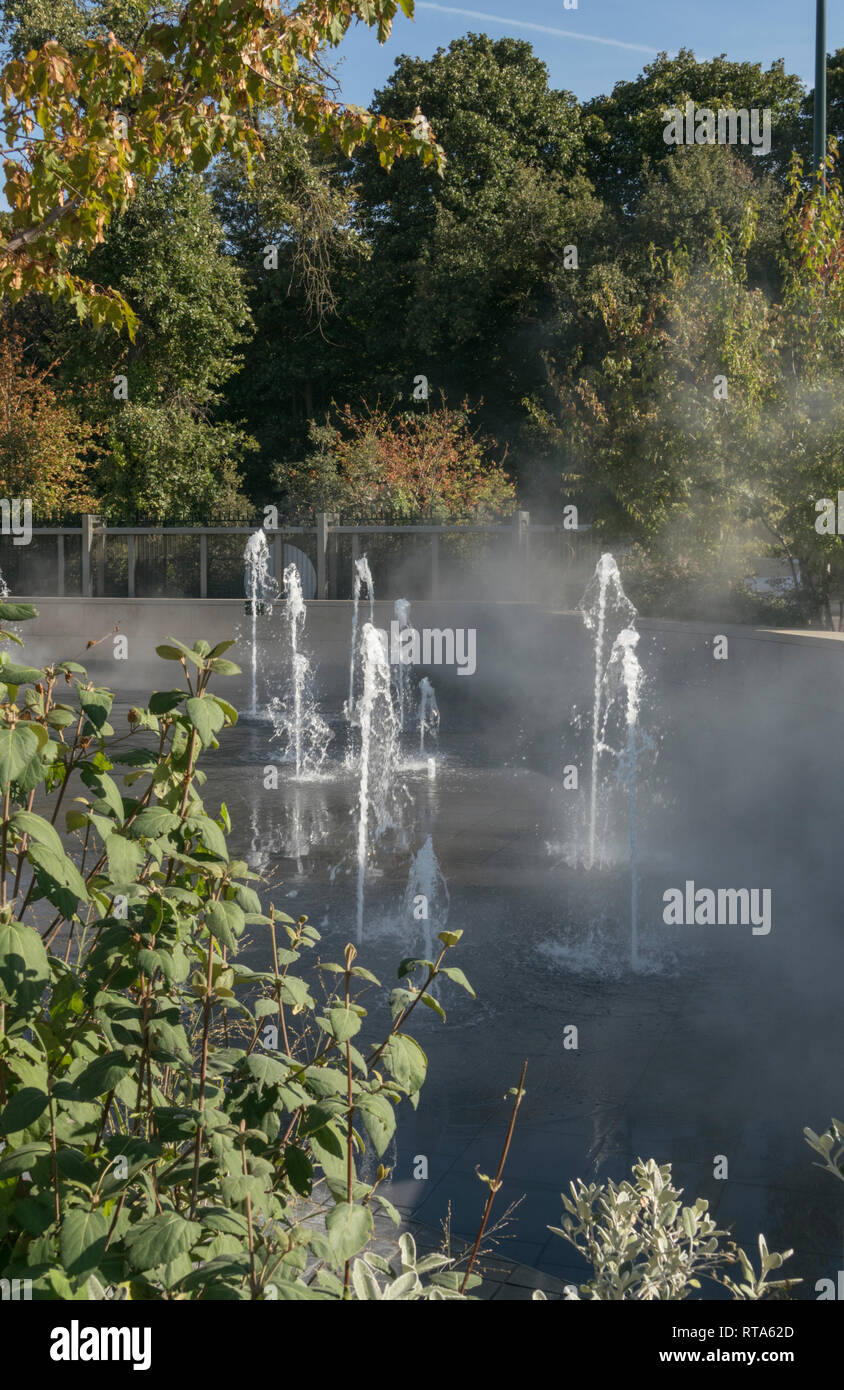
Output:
[[820, 87]]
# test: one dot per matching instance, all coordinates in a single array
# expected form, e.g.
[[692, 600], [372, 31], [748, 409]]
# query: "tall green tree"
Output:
[[625, 128], [714, 421], [464, 268], [157, 399], [293, 232]]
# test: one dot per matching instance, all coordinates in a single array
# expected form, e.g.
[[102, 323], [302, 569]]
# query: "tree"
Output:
[[83, 125], [715, 419], [47, 451], [427, 466], [294, 233], [157, 398], [684, 195], [460, 283], [626, 128]]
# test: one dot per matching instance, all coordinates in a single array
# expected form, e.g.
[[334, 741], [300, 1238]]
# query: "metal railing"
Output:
[[517, 559]]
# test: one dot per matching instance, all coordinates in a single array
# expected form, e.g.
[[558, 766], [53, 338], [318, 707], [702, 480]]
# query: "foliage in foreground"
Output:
[[85, 122], [153, 1146], [644, 1243]]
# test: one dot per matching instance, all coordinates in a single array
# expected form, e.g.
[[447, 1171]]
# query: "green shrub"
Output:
[[153, 1148], [644, 1243]]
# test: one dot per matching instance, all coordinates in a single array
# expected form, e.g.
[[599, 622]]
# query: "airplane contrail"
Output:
[[539, 28]]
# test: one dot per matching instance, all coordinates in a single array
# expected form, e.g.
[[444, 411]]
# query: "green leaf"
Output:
[[97, 706], [164, 700], [228, 710], [218, 925], [206, 717], [24, 969], [212, 836], [430, 1002], [38, 829], [379, 1120], [362, 974], [17, 612], [181, 650], [18, 1161], [11, 674], [406, 1061], [58, 878], [154, 821], [160, 1239], [456, 974], [105, 788], [102, 1075], [266, 1070], [124, 859], [409, 964], [82, 1241], [23, 1109], [19, 745], [295, 991], [344, 1023], [328, 1151], [349, 1228], [299, 1169]]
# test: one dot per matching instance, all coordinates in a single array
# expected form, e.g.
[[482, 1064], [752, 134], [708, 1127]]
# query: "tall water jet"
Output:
[[624, 677], [362, 575], [426, 899], [429, 714], [296, 716], [604, 606], [379, 748], [401, 609], [261, 590]]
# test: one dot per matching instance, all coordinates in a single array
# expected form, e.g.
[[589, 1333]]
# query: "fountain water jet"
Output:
[[362, 575], [402, 613], [429, 714], [379, 751], [296, 716], [624, 675], [603, 603], [261, 590]]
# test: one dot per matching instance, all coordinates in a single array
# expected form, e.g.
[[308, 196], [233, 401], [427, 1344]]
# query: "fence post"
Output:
[[203, 564], [521, 550], [87, 544], [435, 565], [333, 557], [321, 552], [101, 559], [60, 564], [130, 565]]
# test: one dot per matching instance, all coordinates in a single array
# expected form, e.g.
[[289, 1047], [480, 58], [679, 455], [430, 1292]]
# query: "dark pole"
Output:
[[820, 86]]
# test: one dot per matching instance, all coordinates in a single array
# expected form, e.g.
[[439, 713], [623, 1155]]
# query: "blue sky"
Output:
[[759, 32]]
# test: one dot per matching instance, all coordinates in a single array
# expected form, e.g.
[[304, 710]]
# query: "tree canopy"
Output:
[[540, 280]]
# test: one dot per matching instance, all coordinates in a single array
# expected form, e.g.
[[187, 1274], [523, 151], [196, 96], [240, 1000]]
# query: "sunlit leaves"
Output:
[[189, 88]]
